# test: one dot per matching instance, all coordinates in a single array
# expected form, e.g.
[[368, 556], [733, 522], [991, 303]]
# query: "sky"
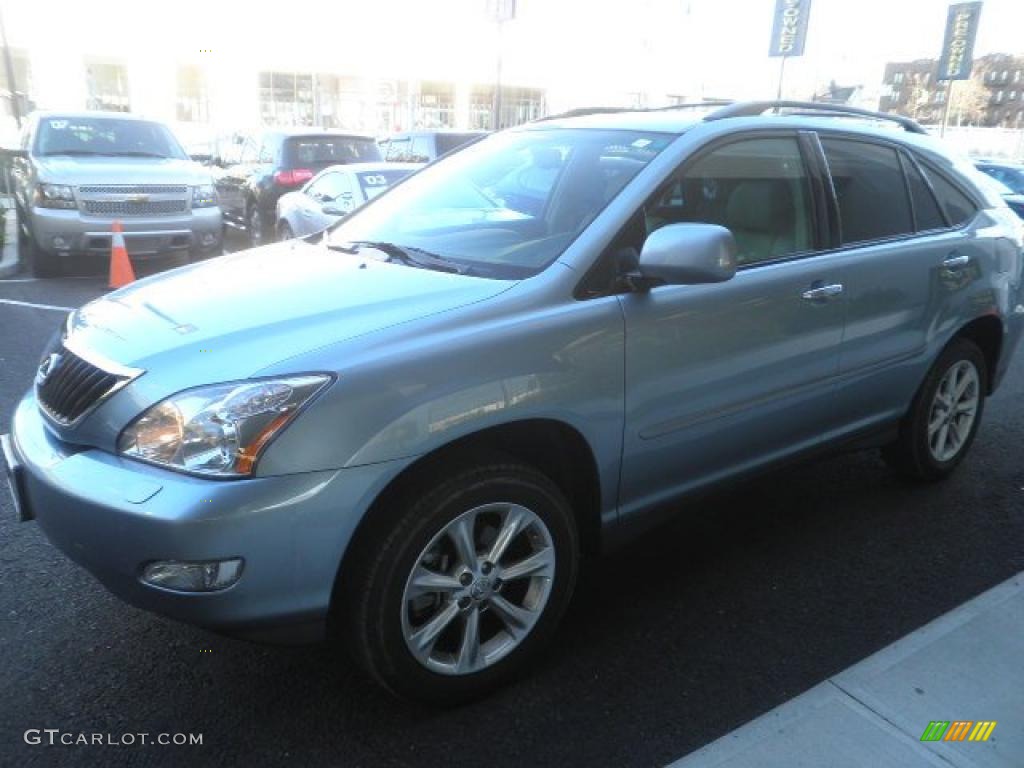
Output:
[[582, 51]]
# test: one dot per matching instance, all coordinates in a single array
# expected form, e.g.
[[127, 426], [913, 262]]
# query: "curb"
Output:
[[9, 262]]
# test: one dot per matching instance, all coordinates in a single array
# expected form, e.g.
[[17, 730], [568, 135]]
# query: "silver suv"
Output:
[[75, 173], [405, 432]]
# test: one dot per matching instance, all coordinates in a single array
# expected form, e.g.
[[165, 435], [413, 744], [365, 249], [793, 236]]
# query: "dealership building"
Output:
[[241, 72]]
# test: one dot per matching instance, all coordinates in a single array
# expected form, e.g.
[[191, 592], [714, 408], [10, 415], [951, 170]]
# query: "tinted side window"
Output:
[[757, 188], [328, 187], [926, 209], [958, 206], [870, 190], [420, 152], [398, 150]]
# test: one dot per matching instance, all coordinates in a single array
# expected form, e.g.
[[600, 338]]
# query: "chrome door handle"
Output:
[[956, 262], [823, 292]]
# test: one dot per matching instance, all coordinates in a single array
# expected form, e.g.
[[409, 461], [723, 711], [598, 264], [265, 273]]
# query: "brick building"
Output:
[[994, 96]]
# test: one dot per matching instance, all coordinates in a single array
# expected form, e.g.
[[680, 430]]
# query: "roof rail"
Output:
[[581, 111], [754, 108], [693, 105]]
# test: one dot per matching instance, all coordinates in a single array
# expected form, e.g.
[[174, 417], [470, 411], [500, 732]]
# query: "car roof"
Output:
[[435, 132], [73, 114], [373, 167], [291, 132], [678, 118], [1017, 166]]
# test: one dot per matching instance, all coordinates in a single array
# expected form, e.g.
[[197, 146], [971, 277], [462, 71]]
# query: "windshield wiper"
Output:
[[406, 254], [72, 152], [132, 153]]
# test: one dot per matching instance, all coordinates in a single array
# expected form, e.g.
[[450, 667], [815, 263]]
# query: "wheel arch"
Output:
[[552, 447], [987, 332]]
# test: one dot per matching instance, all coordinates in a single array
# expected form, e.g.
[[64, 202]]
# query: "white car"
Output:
[[334, 192]]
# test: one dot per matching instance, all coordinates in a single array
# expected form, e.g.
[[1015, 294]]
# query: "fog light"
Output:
[[60, 242], [208, 238], [193, 577]]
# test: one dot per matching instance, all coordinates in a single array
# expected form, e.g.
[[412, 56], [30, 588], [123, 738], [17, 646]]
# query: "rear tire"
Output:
[[943, 419], [256, 227], [496, 617]]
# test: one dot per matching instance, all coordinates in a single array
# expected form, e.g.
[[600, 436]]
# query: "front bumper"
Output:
[[112, 516], [66, 233]]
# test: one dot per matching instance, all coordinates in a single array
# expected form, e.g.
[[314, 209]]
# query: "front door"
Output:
[[726, 377]]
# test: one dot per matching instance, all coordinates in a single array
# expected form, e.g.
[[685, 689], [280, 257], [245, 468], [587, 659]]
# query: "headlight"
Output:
[[204, 196], [218, 430], [55, 196]]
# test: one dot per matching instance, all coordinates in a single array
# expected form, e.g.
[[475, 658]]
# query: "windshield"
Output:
[[106, 136], [374, 182], [509, 205]]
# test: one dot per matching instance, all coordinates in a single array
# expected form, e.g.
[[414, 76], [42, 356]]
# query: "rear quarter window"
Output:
[[959, 207]]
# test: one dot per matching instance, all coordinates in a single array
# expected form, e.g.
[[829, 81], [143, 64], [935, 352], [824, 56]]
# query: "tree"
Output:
[[970, 101]]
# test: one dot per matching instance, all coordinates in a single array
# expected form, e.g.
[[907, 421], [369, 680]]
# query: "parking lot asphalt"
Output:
[[749, 598]]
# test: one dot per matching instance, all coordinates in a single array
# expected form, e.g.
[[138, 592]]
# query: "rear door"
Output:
[[725, 377], [904, 257]]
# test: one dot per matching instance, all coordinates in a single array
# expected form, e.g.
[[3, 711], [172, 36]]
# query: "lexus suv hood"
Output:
[[105, 169], [235, 315]]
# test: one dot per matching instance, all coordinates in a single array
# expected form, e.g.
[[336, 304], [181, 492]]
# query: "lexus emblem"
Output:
[[46, 368]]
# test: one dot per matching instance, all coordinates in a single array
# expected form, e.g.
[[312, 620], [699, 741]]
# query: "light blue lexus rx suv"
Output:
[[404, 433]]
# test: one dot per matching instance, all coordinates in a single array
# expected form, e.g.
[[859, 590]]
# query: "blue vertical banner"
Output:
[[958, 44], [789, 31]]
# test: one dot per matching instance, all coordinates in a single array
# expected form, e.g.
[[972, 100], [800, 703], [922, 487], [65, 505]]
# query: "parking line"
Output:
[[36, 306]]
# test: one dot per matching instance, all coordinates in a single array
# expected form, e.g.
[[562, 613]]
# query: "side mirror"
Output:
[[203, 158], [687, 254]]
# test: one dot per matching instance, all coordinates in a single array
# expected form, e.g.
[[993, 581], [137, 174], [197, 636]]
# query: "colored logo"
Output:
[[958, 730]]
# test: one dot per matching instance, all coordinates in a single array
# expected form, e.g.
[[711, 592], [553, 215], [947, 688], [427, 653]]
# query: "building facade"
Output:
[[993, 96], [204, 93]]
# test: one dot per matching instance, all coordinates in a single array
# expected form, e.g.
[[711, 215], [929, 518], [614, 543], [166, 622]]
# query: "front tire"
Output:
[[466, 585], [284, 231], [944, 416], [43, 264]]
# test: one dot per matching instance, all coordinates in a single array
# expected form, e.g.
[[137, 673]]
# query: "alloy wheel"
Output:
[[478, 588], [953, 411]]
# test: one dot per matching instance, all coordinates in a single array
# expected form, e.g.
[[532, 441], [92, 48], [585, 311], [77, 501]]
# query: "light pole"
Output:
[[12, 86], [499, 11]]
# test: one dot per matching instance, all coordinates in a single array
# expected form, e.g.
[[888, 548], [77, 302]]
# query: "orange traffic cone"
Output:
[[121, 272]]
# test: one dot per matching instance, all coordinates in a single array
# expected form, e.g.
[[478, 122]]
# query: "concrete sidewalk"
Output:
[[967, 665]]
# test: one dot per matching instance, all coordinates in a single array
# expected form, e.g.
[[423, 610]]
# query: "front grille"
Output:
[[72, 386], [134, 189], [134, 208]]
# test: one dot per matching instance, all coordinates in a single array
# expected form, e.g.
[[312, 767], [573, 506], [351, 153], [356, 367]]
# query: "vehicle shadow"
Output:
[[750, 597]]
